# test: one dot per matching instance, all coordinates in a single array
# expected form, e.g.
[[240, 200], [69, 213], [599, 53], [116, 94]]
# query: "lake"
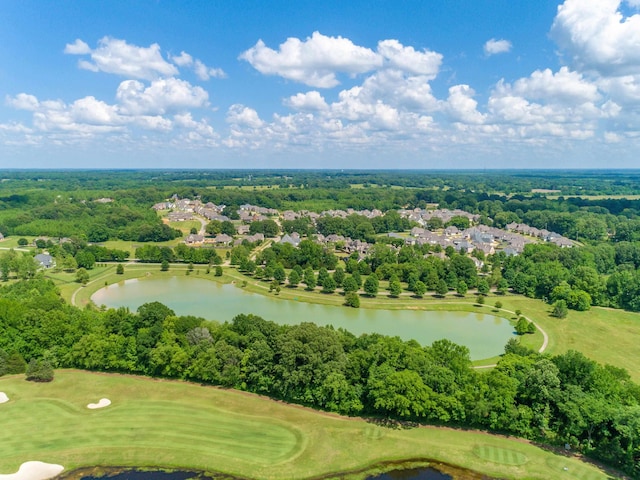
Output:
[[484, 335]]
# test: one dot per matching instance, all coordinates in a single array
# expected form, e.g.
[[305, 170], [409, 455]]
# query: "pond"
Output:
[[484, 335]]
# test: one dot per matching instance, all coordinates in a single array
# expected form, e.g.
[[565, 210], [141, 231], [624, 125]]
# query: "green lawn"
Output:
[[182, 425]]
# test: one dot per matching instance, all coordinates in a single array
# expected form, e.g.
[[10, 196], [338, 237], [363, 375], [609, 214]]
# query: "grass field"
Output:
[[180, 425]]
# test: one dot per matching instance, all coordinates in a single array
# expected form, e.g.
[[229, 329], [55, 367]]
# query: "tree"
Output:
[[498, 305], [502, 287], [560, 309], [39, 371], [193, 231], [522, 326], [279, 275], [351, 299], [480, 300], [119, 269], [218, 272], [329, 285], [395, 288], [350, 285], [310, 279], [164, 266], [483, 287], [294, 278], [85, 259], [441, 288], [371, 285], [23, 242], [462, 289], [82, 276], [419, 289], [338, 276]]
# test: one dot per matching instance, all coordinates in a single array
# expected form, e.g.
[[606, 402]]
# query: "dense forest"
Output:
[[555, 399]]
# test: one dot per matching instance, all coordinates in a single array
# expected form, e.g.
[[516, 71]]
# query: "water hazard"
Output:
[[484, 335]]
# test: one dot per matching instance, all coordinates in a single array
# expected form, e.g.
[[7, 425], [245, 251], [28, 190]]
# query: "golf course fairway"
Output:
[[174, 424]]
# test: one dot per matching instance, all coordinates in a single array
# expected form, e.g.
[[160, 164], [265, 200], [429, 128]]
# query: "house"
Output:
[[293, 239], [194, 239], [222, 239], [45, 260]]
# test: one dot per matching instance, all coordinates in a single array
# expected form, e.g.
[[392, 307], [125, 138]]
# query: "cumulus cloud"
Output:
[[118, 57], [163, 95], [462, 106], [77, 48], [182, 60], [314, 61], [407, 59], [23, 101], [243, 116], [596, 36], [564, 86], [307, 101], [200, 69], [494, 47]]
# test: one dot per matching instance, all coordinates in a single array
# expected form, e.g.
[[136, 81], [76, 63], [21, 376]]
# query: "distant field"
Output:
[[160, 423]]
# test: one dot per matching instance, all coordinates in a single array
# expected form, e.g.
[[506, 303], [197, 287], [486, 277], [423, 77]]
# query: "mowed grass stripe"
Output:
[[502, 456], [252, 439]]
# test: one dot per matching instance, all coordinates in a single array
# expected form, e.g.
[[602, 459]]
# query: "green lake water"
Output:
[[484, 335]]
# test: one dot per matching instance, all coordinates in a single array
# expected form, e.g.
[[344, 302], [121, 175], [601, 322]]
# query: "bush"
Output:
[[351, 299], [560, 309], [39, 371], [119, 269]]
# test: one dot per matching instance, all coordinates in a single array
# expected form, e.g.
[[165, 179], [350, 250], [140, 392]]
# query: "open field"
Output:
[[197, 427], [582, 331]]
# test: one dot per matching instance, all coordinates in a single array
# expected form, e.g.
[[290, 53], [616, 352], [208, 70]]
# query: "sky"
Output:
[[412, 84]]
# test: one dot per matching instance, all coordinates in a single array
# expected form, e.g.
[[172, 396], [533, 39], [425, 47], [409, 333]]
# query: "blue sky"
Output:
[[333, 84]]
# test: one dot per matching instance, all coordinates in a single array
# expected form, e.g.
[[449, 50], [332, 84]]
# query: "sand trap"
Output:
[[104, 402], [34, 471], [3, 397]]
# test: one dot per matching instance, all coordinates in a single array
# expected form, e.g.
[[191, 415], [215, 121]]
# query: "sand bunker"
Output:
[[34, 471], [3, 397], [104, 402]]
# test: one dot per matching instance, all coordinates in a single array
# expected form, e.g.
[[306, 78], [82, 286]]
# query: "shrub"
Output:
[[39, 371], [351, 299]]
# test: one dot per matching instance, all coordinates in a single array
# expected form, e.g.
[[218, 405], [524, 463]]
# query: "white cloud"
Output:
[[409, 60], [598, 37], [182, 60], [163, 95], [462, 106], [314, 61], [204, 73], [77, 48], [564, 86], [307, 101], [494, 47], [243, 116], [120, 58], [95, 112], [23, 101]]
